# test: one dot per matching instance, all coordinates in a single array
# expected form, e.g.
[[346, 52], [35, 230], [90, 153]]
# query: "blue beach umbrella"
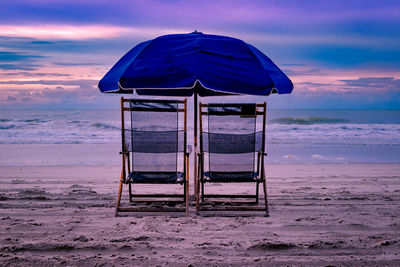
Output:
[[195, 64]]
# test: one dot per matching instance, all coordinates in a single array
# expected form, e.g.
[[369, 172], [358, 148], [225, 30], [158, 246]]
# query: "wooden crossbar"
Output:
[[150, 209]]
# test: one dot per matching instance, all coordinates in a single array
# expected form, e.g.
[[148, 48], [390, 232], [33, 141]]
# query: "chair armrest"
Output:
[[262, 153], [188, 150]]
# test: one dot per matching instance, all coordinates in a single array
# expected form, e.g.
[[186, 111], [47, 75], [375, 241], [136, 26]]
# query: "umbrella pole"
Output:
[[195, 120], [195, 140]]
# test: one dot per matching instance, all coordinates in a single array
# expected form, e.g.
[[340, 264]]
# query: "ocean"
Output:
[[293, 136]]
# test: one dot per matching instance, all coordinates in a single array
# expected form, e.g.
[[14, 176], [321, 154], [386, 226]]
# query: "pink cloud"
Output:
[[65, 32], [316, 81]]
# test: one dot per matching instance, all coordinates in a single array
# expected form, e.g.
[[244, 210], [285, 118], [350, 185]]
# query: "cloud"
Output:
[[251, 11], [302, 71], [57, 98], [42, 42], [81, 83], [340, 22], [75, 64], [335, 52], [362, 92], [18, 60], [87, 32], [35, 74], [62, 31], [18, 67], [375, 84], [317, 38], [355, 56], [16, 56]]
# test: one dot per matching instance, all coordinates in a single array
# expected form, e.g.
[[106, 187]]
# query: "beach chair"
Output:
[[232, 150], [154, 154]]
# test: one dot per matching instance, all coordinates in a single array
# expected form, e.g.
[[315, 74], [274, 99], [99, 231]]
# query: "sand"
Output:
[[321, 215]]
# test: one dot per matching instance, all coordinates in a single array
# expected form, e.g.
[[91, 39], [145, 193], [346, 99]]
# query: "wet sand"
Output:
[[320, 214]]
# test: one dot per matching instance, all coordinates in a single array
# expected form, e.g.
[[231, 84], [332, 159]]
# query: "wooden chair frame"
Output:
[[233, 205], [126, 169]]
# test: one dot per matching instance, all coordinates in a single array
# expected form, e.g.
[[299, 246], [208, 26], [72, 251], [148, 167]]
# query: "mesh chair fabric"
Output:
[[231, 142], [154, 137], [156, 177], [154, 141], [231, 176], [226, 143]]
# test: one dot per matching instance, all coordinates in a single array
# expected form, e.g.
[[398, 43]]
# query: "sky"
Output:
[[339, 54]]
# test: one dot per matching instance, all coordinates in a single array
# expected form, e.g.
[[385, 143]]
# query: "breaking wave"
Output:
[[309, 120], [6, 127], [104, 126], [33, 121]]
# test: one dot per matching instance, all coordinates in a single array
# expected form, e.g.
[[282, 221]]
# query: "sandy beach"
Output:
[[321, 215]]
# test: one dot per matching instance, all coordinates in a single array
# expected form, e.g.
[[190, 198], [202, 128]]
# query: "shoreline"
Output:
[[108, 154]]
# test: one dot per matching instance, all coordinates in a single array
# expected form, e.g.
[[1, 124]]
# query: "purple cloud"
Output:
[[375, 84]]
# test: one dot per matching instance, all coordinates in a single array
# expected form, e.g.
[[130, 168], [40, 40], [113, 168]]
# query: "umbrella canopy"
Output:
[[184, 64]]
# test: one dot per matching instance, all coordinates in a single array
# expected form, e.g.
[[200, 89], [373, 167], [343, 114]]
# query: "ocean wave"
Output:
[[6, 127], [33, 121], [309, 120], [105, 126]]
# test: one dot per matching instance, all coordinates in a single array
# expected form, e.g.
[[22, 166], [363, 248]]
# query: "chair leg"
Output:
[[195, 173], [187, 197], [202, 189], [130, 192], [184, 190], [187, 185], [119, 197], [265, 198], [257, 192], [197, 189], [201, 178]]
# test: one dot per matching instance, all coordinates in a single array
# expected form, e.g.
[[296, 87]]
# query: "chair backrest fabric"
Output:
[[154, 135], [231, 140]]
